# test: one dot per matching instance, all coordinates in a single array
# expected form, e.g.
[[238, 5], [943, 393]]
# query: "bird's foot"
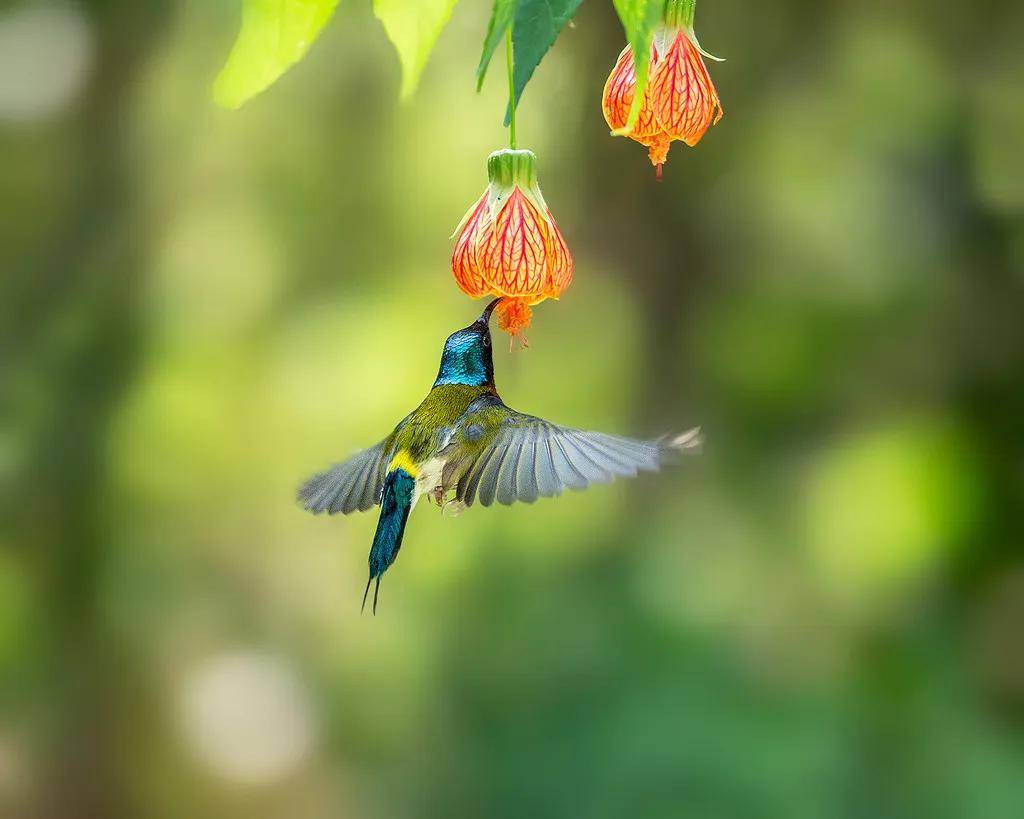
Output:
[[453, 507]]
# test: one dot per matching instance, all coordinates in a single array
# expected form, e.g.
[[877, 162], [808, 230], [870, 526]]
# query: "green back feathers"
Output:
[[420, 433]]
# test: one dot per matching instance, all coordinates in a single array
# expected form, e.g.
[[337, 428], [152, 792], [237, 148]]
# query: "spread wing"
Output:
[[348, 486], [508, 456]]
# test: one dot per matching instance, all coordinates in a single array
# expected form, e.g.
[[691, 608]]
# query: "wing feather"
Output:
[[489, 481], [483, 478], [584, 463], [600, 456], [365, 490], [521, 457], [347, 486], [344, 499], [544, 464], [633, 455], [568, 472], [610, 453], [526, 472], [506, 493]]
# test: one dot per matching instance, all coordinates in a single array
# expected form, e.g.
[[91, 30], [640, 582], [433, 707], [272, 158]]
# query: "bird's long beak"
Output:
[[485, 317]]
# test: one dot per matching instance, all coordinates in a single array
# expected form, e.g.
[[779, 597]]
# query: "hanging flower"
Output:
[[509, 245], [617, 102], [680, 101]]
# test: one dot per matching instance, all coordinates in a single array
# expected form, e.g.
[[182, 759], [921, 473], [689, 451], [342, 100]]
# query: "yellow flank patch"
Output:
[[403, 460]]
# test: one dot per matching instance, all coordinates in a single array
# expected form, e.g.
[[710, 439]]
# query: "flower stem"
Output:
[[511, 89]]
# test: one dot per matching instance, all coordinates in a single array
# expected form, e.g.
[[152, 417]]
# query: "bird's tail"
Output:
[[395, 503]]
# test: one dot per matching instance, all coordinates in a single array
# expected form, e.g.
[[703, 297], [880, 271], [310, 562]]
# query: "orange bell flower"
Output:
[[508, 244], [680, 101]]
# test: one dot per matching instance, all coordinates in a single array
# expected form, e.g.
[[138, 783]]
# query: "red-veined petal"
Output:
[[560, 264], [617, 99], [464, 265], [682, 95], [510, 253]]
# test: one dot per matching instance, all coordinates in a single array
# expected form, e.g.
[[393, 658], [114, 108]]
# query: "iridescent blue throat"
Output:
[[465, 360]]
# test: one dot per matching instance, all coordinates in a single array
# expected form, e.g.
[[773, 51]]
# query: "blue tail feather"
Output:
[[395, 503]]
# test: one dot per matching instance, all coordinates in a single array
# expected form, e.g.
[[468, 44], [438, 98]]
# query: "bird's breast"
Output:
[[429, 477]]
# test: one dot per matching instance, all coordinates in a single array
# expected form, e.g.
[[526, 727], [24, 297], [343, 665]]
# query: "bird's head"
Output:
[[467, 355]]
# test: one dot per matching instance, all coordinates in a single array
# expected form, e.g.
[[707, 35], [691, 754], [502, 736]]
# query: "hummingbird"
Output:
[[463, 444]]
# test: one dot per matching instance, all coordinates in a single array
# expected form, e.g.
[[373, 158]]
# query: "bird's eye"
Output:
[[487, 341]]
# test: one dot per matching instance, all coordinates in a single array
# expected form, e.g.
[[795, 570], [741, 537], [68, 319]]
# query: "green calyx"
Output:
[[509, 169], [679, 13]]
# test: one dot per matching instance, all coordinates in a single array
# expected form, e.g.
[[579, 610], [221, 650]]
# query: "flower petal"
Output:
[[617, 99], [681, 93], [560, 264], [464, 265], [510, 253]]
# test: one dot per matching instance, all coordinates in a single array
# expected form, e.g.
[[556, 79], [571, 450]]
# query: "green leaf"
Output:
[[275, 35], [536, 25], [639, 19], [501, 19], [413, 28]]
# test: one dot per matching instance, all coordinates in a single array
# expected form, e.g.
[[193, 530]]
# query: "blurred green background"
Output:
[[821, 616]]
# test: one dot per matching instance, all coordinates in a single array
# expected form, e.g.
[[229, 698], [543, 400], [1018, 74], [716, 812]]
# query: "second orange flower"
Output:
[[680, 101]]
